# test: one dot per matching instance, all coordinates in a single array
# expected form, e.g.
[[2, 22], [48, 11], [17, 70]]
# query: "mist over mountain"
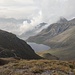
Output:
[[51, 31], [33, 31], [37, 37], [22, 27], [12, 25], [13, 20], [62, 20], [30, 13]]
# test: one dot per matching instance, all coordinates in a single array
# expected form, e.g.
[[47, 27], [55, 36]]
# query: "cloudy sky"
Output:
[[50, 9], [36, 10]]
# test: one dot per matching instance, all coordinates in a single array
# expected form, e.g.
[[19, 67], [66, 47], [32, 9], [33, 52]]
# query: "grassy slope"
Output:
[[47, 56], [63, 45], [36, 67]]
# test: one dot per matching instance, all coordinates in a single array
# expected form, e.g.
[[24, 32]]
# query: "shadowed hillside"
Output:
[[12, 46]]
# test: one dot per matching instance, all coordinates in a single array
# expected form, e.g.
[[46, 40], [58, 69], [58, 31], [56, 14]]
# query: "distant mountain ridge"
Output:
[[62, 20], [13, 20], [34, 31], [51, 31], [15, 26]]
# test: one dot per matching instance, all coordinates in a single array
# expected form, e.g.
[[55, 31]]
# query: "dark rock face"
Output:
[[12, 46]]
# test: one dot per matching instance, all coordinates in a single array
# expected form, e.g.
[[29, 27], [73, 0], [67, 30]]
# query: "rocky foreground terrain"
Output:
[[13, 66]]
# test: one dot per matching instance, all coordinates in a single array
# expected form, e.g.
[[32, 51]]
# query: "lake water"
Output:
[[38, 47]]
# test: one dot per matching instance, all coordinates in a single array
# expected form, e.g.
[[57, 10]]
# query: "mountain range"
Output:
[[51, 31], [13, 20], [36, 29], [18, 27], [60, 37]]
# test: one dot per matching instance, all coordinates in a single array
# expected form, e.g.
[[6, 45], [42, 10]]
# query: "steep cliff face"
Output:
[[12, 46]]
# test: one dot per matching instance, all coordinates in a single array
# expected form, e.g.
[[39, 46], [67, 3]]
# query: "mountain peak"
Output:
[[62, 20], [72, 21]]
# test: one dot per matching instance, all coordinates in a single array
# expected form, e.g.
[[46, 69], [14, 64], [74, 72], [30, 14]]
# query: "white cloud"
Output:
[[30, 26], [36, 10], [53, 9], [24, 8], [16, 2], [23, 12], [49, 8]]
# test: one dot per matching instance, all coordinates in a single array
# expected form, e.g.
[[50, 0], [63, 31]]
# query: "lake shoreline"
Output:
[[38, 47]]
